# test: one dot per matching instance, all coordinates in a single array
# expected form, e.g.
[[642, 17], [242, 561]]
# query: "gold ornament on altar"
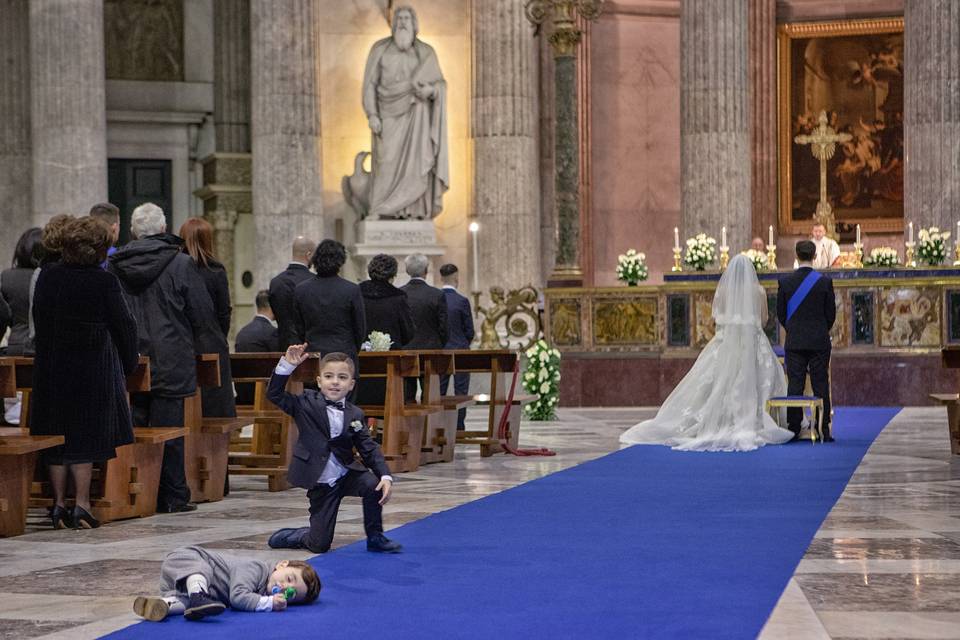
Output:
[[518, 311], [823, 144]]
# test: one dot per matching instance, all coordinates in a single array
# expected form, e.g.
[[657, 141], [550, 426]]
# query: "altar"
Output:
[[626, 346]]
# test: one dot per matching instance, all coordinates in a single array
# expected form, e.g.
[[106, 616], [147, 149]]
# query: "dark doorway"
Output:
[[134, 182]]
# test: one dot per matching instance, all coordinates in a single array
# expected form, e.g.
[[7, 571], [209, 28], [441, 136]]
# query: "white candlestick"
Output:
[[723, 236], [676, 238], [474, 228], [957, 237], [770, 236], [858, 234], [910, 227]]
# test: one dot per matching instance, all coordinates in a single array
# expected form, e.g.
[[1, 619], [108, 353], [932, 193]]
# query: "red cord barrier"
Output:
[[504, 425]]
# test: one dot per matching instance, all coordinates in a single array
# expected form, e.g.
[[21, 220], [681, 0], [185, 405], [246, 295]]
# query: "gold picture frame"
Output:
[[871, 172]]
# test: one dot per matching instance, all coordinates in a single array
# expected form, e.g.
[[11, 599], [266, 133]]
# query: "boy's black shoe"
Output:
[[202, 605], [380, 544]]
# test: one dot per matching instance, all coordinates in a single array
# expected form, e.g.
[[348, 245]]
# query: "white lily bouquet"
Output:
[[701, 252], [758, 258], [542, 377], [932, 248], [631, 267], [377, 341], [884, 257]]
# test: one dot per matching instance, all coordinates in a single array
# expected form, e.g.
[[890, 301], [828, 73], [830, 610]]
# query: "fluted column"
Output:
[[714, 125], [15, 183], [285, 127], [504, 129], [68, 107], [231, 97], [932, 111], [763, 114]]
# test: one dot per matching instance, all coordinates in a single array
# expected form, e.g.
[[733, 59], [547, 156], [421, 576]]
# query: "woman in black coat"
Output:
[[197, 234], [15, 290], [86, 345], [386, 310]]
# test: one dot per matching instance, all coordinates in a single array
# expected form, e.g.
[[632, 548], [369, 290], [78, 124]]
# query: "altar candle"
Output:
[[723, 235], [676, 238], [956, 238], [770, 236], [910, 227], [474, 228], [858, 233]]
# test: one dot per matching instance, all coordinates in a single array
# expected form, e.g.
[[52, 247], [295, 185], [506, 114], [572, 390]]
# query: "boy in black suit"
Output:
[[806, 307], [323, 463]]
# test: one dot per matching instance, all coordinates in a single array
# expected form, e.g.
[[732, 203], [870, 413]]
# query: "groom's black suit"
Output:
[[807, 345]]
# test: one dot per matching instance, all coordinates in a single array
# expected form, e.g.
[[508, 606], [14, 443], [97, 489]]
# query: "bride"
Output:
[[720, 404]]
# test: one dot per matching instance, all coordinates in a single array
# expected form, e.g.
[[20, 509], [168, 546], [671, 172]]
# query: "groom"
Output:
[[806, 308]]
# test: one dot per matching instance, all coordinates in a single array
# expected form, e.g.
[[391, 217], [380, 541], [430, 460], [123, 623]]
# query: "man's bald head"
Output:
[[303, 249]]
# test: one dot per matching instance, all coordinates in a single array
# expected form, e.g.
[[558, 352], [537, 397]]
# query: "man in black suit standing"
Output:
[[429, 309], [260, 335], [806, 307], [282, 286], [459, 335]]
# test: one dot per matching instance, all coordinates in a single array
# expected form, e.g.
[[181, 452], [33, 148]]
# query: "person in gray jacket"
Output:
[[200, 583]]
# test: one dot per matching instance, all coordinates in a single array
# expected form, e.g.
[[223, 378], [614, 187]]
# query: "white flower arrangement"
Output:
[[932, 248], [631, 267], [882, 257], [377, 341], [542, 377], [758, 258], [701, 252]]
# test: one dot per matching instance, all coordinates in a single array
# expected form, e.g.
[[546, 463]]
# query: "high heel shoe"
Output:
[[60, 517], [83, 520]]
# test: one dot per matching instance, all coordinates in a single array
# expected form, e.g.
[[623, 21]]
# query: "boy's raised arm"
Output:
[[276, 390]]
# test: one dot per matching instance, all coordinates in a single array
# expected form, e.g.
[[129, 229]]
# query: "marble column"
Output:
[[231, 89], [932, 112], [763, 114], [15, 182], [285, 128], [714, 120], [67, 96], [506, 194]]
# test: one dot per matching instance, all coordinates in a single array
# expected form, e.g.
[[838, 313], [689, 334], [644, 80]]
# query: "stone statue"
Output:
[[404, 97]]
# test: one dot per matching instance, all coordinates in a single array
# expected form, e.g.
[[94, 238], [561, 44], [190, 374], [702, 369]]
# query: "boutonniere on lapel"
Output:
[[356, 425]]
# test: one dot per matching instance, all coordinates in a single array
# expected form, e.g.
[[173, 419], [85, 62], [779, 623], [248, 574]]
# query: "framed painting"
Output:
[[852, 71]]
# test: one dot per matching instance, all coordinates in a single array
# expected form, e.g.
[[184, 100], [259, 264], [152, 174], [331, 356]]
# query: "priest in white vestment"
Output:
[[828, 251]]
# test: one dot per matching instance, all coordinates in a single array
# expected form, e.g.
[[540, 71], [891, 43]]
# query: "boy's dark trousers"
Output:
[[817, 363], [325, 503]]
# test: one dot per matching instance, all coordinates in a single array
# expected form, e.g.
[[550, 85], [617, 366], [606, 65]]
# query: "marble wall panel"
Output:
[[909, 317], [840, 333], [863, 329], [704, 326], [635, 131]]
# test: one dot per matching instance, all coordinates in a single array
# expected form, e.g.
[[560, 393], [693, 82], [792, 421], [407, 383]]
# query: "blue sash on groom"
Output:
[[801, 293]]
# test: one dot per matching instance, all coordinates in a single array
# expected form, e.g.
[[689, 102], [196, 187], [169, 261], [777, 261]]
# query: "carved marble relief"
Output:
[[143, 39], [909, 317], [840, 333], [704, 327], [565, 322], [624, 321]]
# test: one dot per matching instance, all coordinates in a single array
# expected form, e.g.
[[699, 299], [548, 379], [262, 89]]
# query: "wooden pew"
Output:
[[499, 365], [125, 486], [950, 359], [18, 457], [439, 431], [207, 442], [402, 423]]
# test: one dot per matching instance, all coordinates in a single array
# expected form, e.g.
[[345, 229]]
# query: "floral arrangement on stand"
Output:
[[884, 257], [542, 377], [377, 341], [701, 252], [758, 258], [932, 249], [631, 267]]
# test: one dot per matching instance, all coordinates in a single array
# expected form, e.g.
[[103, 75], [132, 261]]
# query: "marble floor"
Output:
[[885, 564]]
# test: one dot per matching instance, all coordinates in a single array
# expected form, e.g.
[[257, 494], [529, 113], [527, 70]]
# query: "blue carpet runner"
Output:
[[643, 543]]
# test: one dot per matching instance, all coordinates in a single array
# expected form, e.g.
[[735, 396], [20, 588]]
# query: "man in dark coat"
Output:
[[173, 309], [806, 307], [459, 335], [429, 309], [260, 335], [282, 286]]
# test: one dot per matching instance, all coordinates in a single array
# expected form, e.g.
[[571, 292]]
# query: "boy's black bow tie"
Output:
[[334, 403]]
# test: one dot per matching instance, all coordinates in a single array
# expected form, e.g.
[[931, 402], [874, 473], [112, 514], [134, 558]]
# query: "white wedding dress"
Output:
[[720, 404]]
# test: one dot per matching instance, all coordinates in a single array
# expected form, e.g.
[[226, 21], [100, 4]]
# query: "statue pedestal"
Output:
[[398, 238]]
